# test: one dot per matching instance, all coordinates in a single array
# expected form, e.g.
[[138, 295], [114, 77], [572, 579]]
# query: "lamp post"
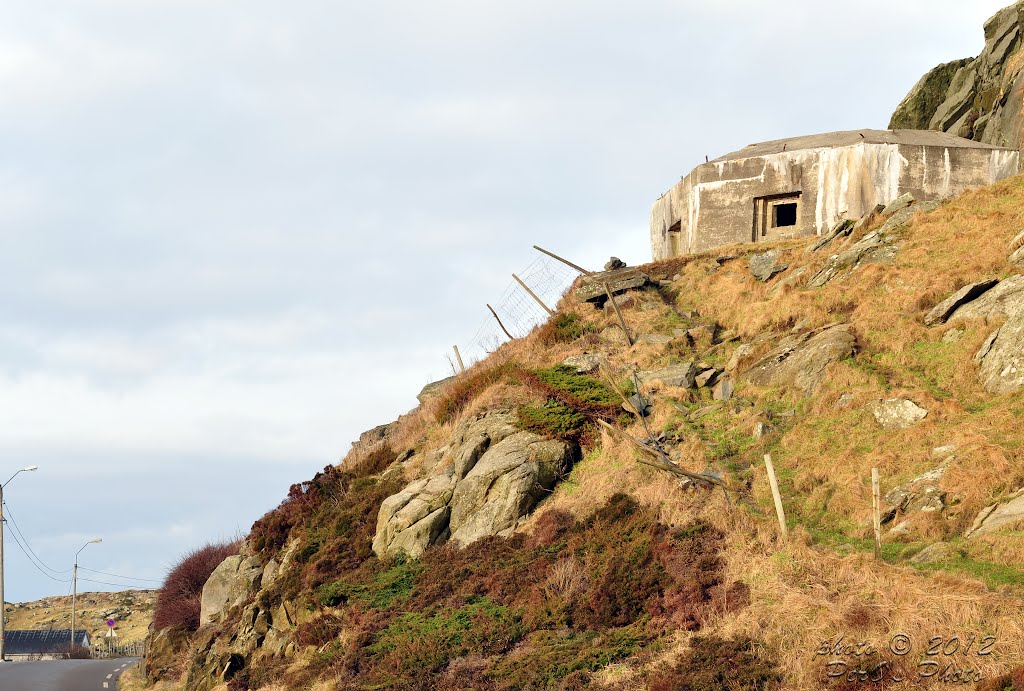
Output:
[[3, 603], [74, 589]]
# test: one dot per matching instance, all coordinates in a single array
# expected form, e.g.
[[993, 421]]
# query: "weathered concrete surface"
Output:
[[827, 176], [801, 361], [979, 99]]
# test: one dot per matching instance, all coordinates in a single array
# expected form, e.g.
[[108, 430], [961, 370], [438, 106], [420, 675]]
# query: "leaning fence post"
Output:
[[876, 517], [776, 496], [458, 358], [564, 261], [533, 295], [618, 313], [499, 322]]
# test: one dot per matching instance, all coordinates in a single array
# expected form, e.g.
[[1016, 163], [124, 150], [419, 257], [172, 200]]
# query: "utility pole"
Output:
[[74, 589], [3, 602]]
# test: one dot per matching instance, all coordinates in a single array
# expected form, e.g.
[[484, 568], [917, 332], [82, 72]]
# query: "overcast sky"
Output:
[[237, 234]]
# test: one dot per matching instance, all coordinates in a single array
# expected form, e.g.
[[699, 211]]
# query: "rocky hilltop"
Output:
[[590, 507], [131, 609], [977, 98]]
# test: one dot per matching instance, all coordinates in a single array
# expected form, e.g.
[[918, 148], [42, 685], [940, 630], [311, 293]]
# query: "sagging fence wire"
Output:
[[548, 278]]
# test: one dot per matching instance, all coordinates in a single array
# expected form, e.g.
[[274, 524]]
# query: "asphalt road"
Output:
[[63, 675]]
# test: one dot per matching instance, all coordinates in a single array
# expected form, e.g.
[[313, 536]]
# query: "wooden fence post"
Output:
[[618, 313], [776, 496], [876, 516], [533, 295], [458, 358], [499, 323], [564, 261]]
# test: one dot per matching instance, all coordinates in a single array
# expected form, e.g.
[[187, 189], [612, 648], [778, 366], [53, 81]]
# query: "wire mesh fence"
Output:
[[518, 311]]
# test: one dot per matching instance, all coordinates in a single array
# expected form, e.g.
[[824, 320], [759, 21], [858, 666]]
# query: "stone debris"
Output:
[[708, 377], [1017, 257], [942, 311], [922, 494], [840, 230], [897, 413], [614, 264], [935, 553], [723, 390]]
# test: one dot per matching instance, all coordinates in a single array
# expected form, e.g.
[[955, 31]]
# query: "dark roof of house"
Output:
[[42, 642], [852, 137]]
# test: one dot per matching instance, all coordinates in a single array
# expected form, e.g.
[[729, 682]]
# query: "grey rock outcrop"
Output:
[[998, 516], [897, 413], [1001, 358], [505, 485], [583, 364], [978, 98], [920, 495], [765, 265], [1006, 299], [489, 477], [942, 311], [935, 553], [432, 389], [878, 246], [800, 361], [228, 586], [840, 230]]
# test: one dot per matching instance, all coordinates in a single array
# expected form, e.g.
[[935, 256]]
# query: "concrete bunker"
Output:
[[803, 186]]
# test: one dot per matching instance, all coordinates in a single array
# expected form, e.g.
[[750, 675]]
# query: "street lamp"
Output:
[[3, 603], [74, 588]]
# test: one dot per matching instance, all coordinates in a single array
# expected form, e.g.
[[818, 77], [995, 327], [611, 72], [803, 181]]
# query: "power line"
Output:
[[18, 542], [116, 585], [114, 575], [14, 523]]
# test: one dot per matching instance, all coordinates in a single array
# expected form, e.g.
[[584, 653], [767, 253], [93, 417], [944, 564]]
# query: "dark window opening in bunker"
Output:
[[784, 215]]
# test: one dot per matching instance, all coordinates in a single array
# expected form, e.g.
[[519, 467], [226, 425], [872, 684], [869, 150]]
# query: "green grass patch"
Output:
[[552, 419]]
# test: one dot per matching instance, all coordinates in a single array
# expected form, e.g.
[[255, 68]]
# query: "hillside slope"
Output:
[[523, 543], [131, 609]]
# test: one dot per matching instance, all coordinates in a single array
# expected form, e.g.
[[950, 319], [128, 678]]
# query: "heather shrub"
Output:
[[566, 327], [713, 664], [177, 605]]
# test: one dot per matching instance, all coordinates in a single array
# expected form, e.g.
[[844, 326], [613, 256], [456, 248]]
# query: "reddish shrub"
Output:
[[177, 605], [319, 631], [1012, 681], [714, 663]]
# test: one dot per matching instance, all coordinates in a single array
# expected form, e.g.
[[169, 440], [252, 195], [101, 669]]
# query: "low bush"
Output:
[[714, 663], [177, 605], [565, 327]]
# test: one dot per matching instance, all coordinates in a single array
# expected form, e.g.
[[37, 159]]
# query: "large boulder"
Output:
[[918, 108], [1001, 358], [489, 477], [229, 586], [1005, 300], [801, 361], [505, 485]]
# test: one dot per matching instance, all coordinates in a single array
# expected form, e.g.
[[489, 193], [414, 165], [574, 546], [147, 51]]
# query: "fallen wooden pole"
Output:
[[876, 518], [458, 358], [533, 295], [564, 261], [499, 323], [618, 313], [661, 461], [776, 495]]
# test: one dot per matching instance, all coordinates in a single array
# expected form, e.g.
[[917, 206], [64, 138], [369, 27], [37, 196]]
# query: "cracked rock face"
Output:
[[490, 478], [801, 361], [1006, 299], [1001, 358]]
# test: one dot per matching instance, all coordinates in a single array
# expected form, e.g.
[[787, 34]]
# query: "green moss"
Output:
[[995, 576], [383, 590], [553, 419]]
